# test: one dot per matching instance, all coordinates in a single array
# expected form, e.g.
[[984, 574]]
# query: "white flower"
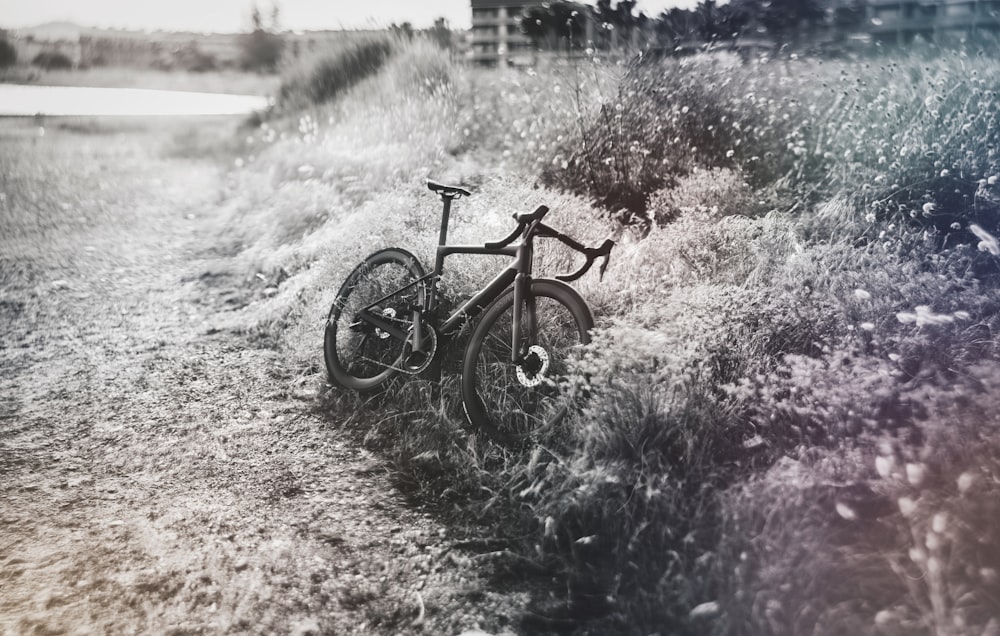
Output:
[[915, 474], [933, 541], [987, 242], [705, 610], [907, 506], [883, 466], [846, 511], [965, 481], [940, 523]]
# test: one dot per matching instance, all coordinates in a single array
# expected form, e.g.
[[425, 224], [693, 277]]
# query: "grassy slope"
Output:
[[791, 427]]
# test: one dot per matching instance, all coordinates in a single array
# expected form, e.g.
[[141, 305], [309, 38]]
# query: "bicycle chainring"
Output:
[[414, 362]]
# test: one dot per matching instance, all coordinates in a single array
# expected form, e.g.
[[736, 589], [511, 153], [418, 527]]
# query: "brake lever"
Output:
[[605, 251], [592, 254]]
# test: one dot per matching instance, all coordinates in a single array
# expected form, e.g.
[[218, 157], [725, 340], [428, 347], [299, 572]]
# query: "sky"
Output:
[[234, 15]]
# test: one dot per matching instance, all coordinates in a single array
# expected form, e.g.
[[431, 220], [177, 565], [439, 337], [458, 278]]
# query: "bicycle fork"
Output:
[[522, 299]]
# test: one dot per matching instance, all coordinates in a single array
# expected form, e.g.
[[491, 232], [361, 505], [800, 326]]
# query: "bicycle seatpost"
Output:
[[446, 201]]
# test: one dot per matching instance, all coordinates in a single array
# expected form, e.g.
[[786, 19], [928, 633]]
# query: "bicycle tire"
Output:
[[359, 356], [496, 400]]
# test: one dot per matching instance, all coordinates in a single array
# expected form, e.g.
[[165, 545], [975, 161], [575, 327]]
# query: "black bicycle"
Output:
[[385, 321]]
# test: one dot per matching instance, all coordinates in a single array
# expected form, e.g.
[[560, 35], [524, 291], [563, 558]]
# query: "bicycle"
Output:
[[385, 321]]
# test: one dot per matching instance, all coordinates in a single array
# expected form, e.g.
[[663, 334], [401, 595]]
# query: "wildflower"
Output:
[[550, 527], [933, 541], [929, 209], [965, 481], [883, 466], [867, 326], [846, 511], [884, 618], [922, 315], [915, 474], [705, 610], [992, 180], [861, 294], [918, 555], [933, 565], [940, 523], [987, 242], [945, 172], [956, 226], [907, 506]]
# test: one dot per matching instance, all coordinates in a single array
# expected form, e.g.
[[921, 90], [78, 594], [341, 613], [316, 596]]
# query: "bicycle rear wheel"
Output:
[[358, 355], [510, 402]]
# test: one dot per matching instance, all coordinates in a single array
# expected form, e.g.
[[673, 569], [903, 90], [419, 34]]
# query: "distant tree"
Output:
[[52, 61], [735, 19], [535, 23], [261, 48], [404, 30], [552, 24], [441, 33], [606, 17], [788, 21], [675, 25], [8, 54]]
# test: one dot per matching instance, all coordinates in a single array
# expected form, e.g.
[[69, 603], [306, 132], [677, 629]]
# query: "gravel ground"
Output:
[[159, 473]]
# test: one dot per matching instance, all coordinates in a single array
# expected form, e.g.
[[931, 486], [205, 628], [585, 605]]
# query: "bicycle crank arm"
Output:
[[380, 322]]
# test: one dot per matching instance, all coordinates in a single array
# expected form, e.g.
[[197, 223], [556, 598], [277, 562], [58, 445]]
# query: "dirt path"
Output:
[[157, 474]]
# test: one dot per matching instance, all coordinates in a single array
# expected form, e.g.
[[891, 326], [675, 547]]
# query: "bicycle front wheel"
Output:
[[358, 355], [511, 401]]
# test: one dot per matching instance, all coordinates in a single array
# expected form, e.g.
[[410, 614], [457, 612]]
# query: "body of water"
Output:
[[21, 100]]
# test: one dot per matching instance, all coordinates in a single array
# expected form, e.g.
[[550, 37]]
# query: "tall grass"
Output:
[[785, 421]]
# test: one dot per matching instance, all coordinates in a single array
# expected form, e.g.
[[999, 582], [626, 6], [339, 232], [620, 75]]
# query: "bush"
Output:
[[925, 150], [326, 76], [8, 54], [261, 51], [52, 61]]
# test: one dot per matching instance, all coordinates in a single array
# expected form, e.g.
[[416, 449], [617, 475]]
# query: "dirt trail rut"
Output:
[[160, 475]]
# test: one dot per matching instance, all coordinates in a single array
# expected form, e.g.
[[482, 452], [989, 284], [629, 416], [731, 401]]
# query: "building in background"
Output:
[[900, 21], [496, 37]]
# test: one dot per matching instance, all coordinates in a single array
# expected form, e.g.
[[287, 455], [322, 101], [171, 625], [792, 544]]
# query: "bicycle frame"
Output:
[[518, 274]]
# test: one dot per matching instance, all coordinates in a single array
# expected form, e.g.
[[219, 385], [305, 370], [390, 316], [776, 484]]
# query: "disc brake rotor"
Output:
[[534, 374]]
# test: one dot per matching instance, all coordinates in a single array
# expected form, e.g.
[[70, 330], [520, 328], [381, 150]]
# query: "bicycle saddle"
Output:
[[447, 190]]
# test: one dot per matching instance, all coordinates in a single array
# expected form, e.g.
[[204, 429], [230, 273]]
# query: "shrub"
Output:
[[326, 76], [8, 54], [52, 61]]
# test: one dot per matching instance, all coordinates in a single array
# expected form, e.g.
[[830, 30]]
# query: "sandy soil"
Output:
[[160, 474]]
